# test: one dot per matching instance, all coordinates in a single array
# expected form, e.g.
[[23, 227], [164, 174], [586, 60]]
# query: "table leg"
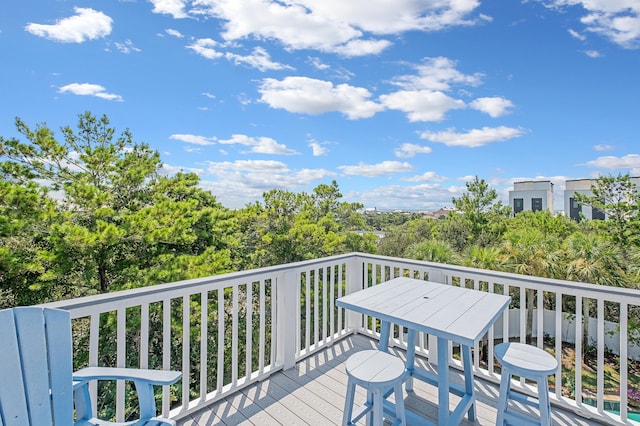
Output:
[[385, 330], [411, 357], [468, 380], [443, 381]]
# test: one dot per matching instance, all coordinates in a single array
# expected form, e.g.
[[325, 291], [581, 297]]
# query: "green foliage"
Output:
[[90, 213], [594, 259], [480, 234], [381, 221], [481, 210], [618, 198], [559, 226], [25, 215], [114, 222], [433, 251], [398, 238], [289, 227]]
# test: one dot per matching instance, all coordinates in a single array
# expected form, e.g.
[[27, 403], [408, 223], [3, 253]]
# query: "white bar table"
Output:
[[449, 313]]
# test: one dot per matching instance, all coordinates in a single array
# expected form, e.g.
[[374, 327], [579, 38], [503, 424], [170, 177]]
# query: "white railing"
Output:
[[228, 331]]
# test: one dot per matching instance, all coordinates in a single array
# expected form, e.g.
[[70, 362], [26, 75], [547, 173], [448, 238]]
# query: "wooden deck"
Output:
[[313, 394]]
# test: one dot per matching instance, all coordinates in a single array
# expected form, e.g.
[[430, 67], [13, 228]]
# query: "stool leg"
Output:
[[505, 381], [400, 414], [348, 403], [377, 407], [370, 402], [545, 404]]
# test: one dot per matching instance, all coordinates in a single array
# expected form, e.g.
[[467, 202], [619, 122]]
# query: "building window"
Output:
[[518, 205], [597, 214], [536, 204], [575, 208]]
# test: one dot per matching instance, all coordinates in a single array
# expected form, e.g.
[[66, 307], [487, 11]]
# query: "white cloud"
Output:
[[291, 23], [206, 47], [241, 182], [616, 20], [629, 161], [208, 95], [436, 74], [465, 179], [473, 138], [126, 47], [317, 63], [422, 105], [87, 89], [602, 147], [375, 170], [194, 139], [425, 196], [495, 107], [409, 150], [592, 53], [86, 24], [362, 47], [257, 166], [259, 145], [270, 146], [427, 177], [385, 17], [258, 59], [175, 8], [174, 33], [168, 170], [575, 34], [335, 25], [318, 149], [310, 96]]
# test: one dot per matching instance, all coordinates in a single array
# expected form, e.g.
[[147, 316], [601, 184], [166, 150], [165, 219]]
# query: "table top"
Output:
[[454, 313]]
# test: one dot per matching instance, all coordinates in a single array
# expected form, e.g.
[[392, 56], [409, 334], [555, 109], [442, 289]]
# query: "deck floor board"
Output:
[[313, 393]]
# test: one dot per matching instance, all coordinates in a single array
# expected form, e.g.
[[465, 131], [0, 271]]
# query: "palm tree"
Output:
[[433, 251], [484, 258], [591, 258], [528, 251]]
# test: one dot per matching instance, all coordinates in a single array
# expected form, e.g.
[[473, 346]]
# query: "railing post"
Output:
[[287, 322], [355, 282], [435, 276]]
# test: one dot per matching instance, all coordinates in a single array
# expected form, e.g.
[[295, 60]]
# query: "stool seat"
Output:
[[378, 372], [525, 359], [530, 363]]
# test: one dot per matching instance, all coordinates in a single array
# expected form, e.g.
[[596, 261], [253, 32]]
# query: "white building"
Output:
[[531, 195], [583, 186]]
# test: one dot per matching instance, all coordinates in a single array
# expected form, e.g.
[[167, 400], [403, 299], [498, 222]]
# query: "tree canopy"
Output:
[[90, 211]]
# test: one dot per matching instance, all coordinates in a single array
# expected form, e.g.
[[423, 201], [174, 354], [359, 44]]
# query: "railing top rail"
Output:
[[178, 288], [563, 286]]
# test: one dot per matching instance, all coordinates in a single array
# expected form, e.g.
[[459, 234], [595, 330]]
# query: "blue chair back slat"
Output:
[[13, 404], [34, 363], [59, 342], [40, 384]]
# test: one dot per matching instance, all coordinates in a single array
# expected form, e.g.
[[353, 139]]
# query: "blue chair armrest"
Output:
[[143, 379]]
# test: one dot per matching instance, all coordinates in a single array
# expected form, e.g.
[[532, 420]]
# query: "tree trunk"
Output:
[[586, 305], [102, 274]]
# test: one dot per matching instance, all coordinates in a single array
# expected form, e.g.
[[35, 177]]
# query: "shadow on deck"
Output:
[[313, 393]]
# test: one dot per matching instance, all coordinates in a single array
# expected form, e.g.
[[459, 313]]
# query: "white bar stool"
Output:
[[377, 372], [532, 363]]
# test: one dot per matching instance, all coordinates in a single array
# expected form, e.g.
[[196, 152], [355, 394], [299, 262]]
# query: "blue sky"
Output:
[[400, 101]]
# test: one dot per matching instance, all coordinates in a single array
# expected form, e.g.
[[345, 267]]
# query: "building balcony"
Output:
[[266, 346]]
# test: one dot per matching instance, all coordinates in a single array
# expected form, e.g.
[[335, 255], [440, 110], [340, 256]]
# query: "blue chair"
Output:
[[37, 384], [532, 363]]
